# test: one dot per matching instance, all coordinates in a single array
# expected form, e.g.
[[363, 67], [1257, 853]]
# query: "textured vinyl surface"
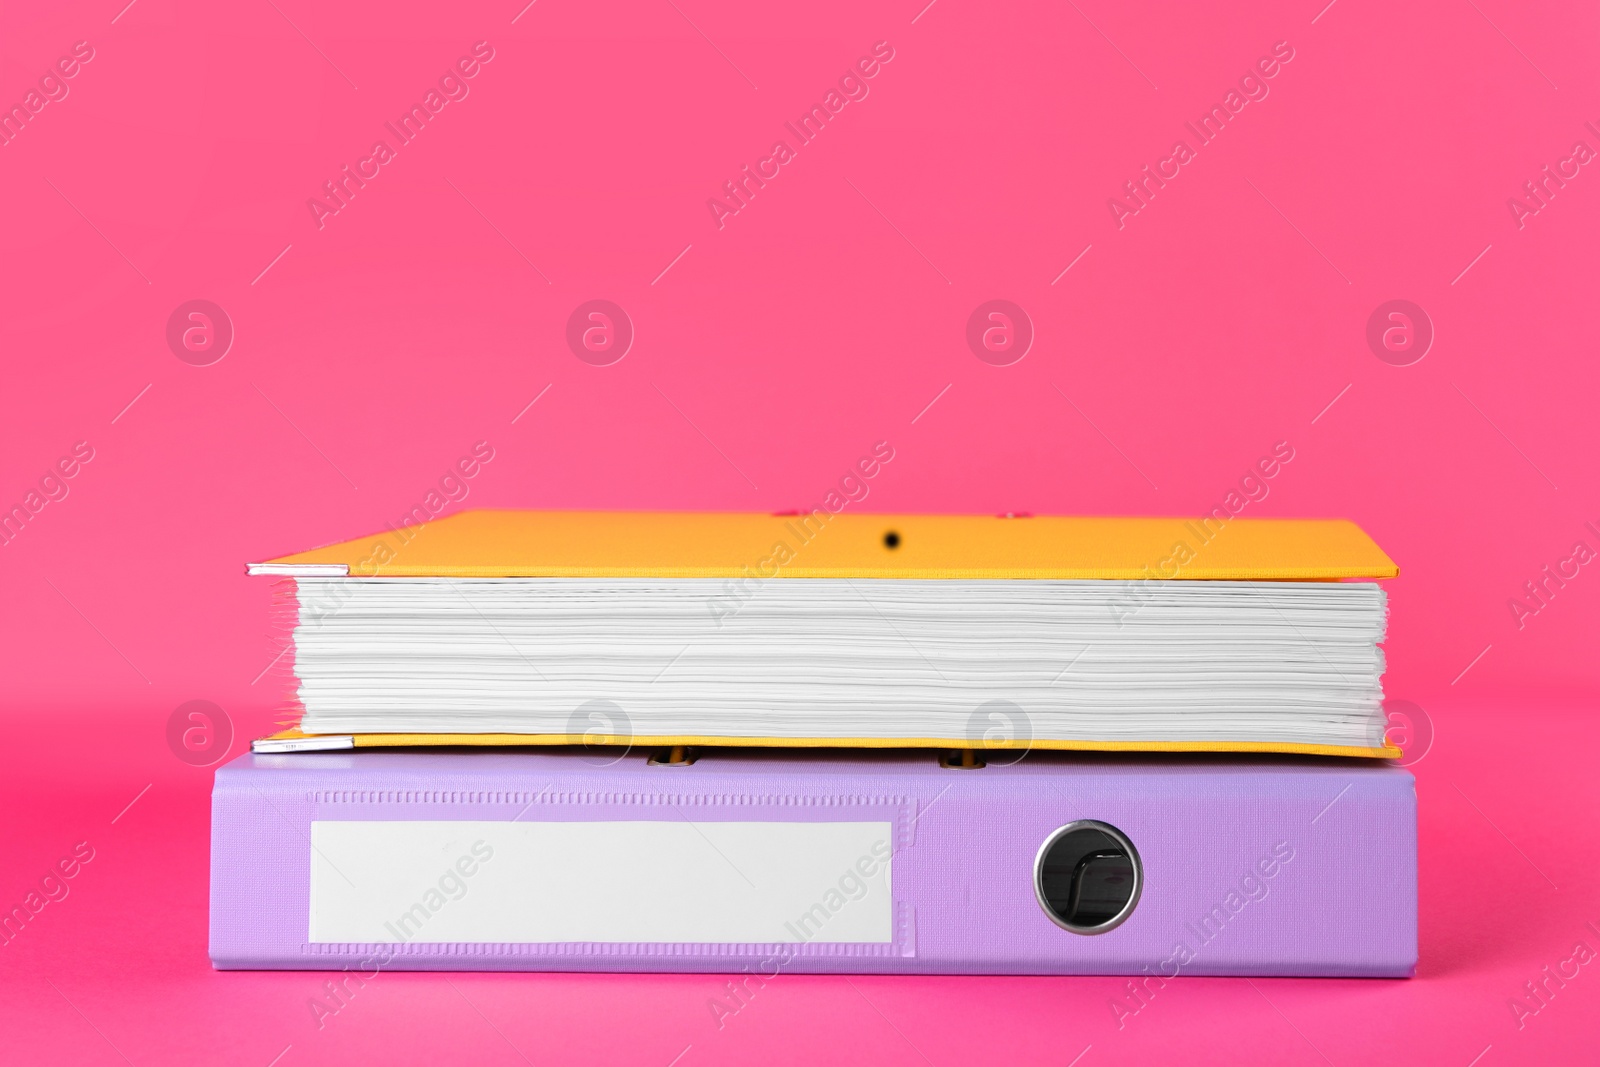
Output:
[[1250, 866]]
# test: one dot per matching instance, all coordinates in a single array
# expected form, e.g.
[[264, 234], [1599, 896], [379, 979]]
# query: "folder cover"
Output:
[[758, 863], [616, 544]]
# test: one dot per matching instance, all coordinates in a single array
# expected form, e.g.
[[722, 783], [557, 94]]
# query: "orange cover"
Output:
[[1281, 748], [612, 544]]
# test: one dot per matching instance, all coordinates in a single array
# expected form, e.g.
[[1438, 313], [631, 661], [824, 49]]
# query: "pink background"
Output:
[[1227, 315]]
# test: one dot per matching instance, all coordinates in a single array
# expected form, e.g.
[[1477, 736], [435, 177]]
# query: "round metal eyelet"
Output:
[[1088, 877]]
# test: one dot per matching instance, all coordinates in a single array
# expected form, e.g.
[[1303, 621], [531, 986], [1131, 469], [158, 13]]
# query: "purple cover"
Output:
[[1344, 902]]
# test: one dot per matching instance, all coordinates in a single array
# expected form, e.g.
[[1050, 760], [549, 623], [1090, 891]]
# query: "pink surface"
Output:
[[1166, 351]]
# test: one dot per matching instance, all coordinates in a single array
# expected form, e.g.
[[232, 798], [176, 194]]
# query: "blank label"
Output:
[[629, 882]]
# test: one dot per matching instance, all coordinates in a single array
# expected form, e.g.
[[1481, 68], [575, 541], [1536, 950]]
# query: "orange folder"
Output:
[[821, 544]]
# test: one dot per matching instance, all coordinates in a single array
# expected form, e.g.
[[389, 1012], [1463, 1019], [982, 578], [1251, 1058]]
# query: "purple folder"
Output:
[[761, 862]]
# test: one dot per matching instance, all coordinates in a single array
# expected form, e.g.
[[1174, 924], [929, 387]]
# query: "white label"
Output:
[[544, 882]]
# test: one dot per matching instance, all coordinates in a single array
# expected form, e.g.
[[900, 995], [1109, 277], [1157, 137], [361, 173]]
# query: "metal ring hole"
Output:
[[1088, 877]]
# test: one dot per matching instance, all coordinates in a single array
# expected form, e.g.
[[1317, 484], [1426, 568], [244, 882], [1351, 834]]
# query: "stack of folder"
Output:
[[826, 743]]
